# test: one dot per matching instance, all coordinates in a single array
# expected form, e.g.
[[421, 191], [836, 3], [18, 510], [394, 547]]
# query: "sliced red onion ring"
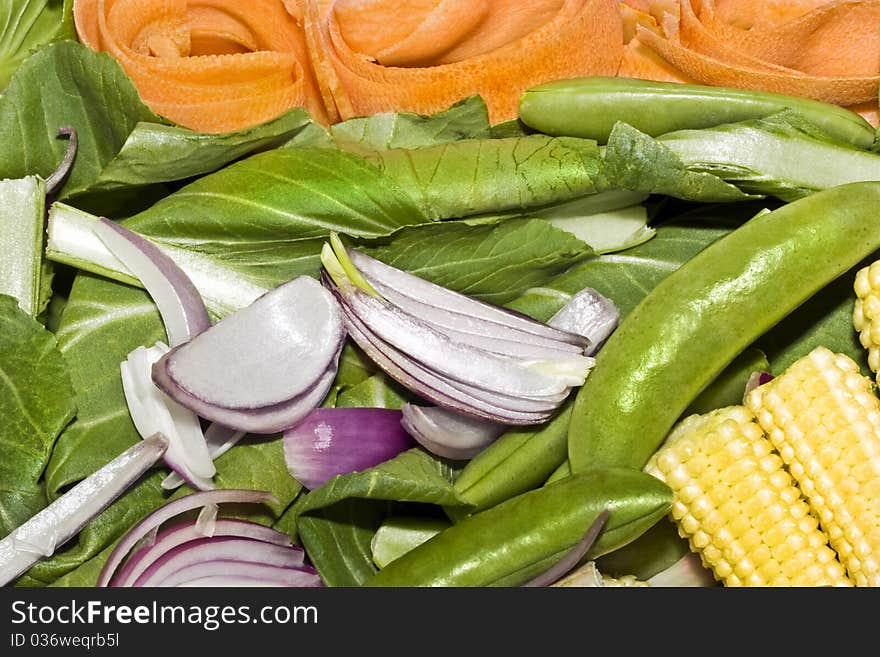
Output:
[[336, 441], [219, 439], [265, 354], [170, 510], [170, 537], [152, 410], [267, 420], [253, 576], [404, 283], [56, 180], [571, 558], [189, 560], [433, 388], [180, 304], [464, 363], [66, 516], [447, 433], [756, 379], [590, 314]]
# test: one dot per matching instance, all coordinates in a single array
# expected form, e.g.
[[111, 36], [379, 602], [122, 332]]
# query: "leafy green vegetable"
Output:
[[36, 403], [155, 152], [467, 119], [65, 84], [337, 521], [633, 160], [378, 391], [490, 262], [626, 277], [27, 25], [476, 176], [767, 156], [22, 211]]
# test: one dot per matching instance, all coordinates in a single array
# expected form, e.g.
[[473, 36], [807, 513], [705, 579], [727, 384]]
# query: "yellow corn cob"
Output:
[[866, 312], [738, 506], [823, 418]]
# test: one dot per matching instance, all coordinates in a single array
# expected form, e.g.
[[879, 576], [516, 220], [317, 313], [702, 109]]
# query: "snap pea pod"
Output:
[[514, 541], [699, 318], [589, 108], [518, 461]]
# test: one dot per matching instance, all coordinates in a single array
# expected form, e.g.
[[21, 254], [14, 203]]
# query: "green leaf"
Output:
[[337, 540], [36, 403], [22, 213], [494, 263], [378, 391], [413, 476], [64, 84], [477, 176], [101, 324], [467, 119], [632, 160], [155, 153], [626, 277], [768, 156], [27, 25], [824, 320], [267, 215]]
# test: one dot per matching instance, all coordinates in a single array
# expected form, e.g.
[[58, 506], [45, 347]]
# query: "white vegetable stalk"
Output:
[[66, 516]]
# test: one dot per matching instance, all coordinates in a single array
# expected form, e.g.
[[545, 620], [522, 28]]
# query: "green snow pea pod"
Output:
[[699, 318], [589, 108], [509, 544]]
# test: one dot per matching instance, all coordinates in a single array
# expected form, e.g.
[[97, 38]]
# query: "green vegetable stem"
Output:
[[698, 319], [589, 108], [511, 543]]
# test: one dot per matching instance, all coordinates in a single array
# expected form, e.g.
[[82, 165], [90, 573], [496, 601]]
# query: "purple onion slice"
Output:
[[590, 314], [573, 556], [267, 420], [461, 362], [431, 387], [447, 433], [265, 354], [55, 181], [756, 379], [404, 283], [182, 562], [180, 304], [67, 515], [170, 537], [170, 510], [336, 441]]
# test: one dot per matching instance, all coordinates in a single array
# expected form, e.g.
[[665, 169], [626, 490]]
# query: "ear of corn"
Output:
[[824, 420], [739, 507], [866, 312]]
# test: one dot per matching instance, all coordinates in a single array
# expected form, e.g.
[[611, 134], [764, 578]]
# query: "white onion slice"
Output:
[[219, 439], [66, 516], [447, 433], [170, 510], [152, 410], [179, 302], [265, 354], [590, 314]]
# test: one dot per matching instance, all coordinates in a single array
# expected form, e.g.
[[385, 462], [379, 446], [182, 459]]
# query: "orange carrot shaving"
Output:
[[370, 57], [210, 65], [829, 52]]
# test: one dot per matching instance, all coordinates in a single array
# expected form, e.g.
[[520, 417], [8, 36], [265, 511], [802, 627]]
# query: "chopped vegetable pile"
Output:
[[576, 293]]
